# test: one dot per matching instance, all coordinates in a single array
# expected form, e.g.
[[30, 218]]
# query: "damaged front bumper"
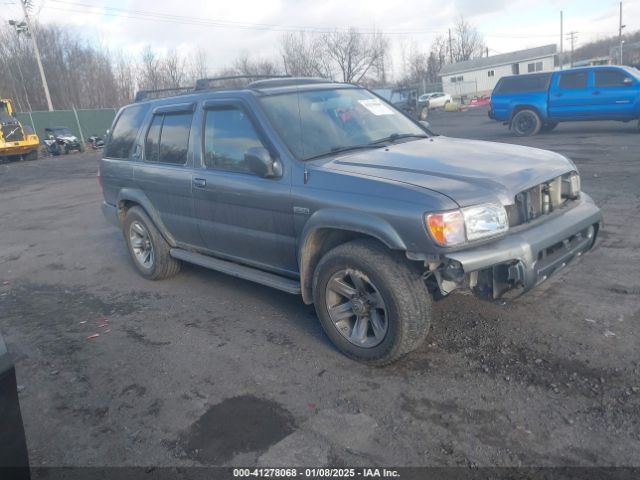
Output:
[[525, 257]]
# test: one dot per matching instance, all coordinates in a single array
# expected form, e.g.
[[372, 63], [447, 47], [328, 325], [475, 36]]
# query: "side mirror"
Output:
[[425, 124], [260, 162]]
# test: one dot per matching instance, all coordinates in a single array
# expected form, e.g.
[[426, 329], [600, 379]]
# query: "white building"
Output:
[[480, 75]]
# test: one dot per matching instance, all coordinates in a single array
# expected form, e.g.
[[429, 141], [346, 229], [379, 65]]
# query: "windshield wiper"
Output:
[[397, 136], [346, 148]]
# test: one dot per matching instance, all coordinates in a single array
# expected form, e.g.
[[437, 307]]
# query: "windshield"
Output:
[[634, 72], [63, 132], [320, 122]]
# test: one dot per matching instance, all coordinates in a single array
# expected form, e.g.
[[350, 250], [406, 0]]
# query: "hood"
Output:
[[67, 138], [467, 171]]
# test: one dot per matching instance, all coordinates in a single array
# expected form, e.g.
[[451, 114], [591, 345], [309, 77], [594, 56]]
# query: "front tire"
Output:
[[526, 123], [371, 303], [31, 156], [148, 250]]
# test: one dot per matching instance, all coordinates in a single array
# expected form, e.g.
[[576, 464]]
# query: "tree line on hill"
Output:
[[86, 75], [81, 74]]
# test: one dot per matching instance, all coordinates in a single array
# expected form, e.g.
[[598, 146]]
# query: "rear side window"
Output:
[[523, 84], [125, 131], [168, 138], [612, 78], [228, 134], [152, 143], [573, 80]]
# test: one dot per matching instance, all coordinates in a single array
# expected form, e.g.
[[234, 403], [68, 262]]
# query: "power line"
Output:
[[146, 15], [572, 36]]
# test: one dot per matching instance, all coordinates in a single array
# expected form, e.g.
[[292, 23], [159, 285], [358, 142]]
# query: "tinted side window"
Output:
[[152, 142], [573, 80], [228, 134], [174, 138], [525, 83], [125, 131], [611, 78]]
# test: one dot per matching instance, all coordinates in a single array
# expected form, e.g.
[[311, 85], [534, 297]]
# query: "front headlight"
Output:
[[485, 221], [467, 224]]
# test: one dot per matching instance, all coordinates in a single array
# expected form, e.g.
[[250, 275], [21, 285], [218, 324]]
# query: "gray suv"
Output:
[[326, 190]]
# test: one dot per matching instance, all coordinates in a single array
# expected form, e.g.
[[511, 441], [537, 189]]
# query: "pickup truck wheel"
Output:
[[148, 250], [526, 123], [372, 305]]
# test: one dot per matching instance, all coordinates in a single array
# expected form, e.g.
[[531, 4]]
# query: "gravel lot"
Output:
[[207, 369]]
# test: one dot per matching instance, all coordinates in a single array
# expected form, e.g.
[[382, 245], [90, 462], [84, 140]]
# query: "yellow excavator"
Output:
[[17, 141]]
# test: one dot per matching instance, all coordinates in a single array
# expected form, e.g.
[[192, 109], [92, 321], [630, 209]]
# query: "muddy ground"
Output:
[[205, 369]]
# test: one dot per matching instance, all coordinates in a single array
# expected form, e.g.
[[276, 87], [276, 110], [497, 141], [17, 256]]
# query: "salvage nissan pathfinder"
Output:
[[326, 190]]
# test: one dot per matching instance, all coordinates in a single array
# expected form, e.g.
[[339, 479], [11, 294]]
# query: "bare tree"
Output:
[[173, 70], [437, 58], [417, 65], [197, 65], [150, 70], [245, 65], [467, 43], [125, 78], [354, 54], [304, 55]]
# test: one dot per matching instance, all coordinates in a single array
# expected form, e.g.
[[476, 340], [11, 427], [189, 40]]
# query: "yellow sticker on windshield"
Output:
[[376, 107]]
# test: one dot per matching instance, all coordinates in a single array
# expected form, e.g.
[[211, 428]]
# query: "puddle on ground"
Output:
[[236, 425]]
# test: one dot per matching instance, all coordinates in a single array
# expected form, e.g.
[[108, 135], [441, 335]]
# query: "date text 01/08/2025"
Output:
[[315, 472]]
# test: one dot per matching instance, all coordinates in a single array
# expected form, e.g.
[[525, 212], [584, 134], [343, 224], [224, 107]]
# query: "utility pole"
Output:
[[32, 34], [620, 34], [572, 36], [450, 48], [561, 40]]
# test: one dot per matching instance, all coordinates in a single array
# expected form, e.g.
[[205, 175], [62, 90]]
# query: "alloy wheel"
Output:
[[357, 308], [141, 244]]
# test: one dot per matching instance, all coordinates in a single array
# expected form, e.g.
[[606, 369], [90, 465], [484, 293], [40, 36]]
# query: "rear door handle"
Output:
[[596, 93], [199, 182], [558, 94]]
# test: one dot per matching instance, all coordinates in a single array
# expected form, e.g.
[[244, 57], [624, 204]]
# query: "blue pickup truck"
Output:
[[537, 102]]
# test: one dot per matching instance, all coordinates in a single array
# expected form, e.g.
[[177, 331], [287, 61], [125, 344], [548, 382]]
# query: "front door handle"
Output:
[[596, 93], [199, 182]]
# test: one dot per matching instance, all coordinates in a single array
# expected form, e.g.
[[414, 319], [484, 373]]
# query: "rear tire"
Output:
[[371, 303], [31, 156], [526, 123], [148, 250]]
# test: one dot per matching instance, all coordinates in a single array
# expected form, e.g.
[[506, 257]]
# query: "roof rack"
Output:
[[206, 83], [160, 93], [231, 81], [286, 81]]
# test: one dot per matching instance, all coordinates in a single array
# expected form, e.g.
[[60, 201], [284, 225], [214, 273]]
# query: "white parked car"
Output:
[[435, 99]]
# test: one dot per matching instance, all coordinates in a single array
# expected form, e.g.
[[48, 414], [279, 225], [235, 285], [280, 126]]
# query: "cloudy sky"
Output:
[[226, 29]]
